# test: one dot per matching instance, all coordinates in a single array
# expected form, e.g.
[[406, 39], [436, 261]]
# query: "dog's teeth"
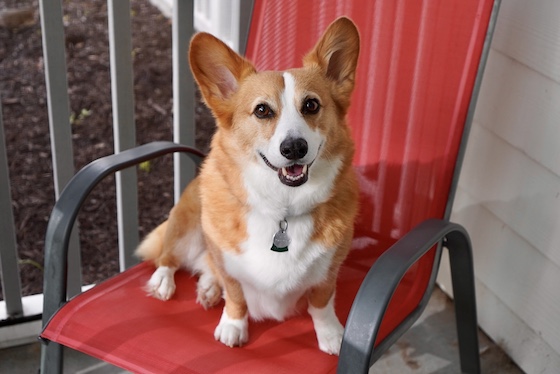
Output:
[[304, 171], [294, 177], [284, 172]]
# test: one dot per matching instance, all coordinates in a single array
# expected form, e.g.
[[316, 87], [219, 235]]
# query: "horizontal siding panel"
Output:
[[522, 107], [518, 340], [516, 272], [529, 31], [521, 192], [495, 317]]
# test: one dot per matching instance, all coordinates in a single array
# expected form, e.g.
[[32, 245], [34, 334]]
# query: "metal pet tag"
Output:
[[281, 240]]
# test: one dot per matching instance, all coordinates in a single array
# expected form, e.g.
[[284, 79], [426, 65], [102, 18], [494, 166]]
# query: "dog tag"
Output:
[[281, 240]]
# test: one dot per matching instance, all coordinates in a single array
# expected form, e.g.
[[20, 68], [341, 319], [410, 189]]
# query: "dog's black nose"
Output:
[[294, 148]]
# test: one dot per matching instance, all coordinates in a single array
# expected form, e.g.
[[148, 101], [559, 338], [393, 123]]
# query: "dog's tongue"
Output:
[[295, 170]]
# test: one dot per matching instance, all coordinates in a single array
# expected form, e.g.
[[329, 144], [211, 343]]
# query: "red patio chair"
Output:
[[418, 77]]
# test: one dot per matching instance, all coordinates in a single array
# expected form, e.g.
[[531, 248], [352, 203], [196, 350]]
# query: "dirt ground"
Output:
[[24, 106]]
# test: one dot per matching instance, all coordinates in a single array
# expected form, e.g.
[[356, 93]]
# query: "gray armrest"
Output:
[[369, 307], [66, 210]]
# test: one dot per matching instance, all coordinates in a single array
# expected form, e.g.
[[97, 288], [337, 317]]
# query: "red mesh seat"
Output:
[[118, 323], [416, 75]]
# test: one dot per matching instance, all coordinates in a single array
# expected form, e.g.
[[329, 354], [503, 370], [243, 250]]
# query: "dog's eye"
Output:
[[263, 111], [310, 106]]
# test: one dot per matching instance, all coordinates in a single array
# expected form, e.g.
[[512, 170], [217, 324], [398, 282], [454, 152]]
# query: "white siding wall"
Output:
[[217, 17], [509, 191]]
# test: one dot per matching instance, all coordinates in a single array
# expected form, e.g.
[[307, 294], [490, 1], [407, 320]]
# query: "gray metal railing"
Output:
[[58, 103], [124, 128], [11, 285], [54, 53]]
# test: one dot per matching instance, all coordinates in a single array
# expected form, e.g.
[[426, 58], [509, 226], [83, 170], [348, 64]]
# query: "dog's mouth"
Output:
[[293, 176]]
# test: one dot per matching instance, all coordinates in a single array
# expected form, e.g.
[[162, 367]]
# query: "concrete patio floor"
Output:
[[429, 347]]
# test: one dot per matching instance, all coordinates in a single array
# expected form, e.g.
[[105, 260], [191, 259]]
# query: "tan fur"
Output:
[[160, 245], [223, 197], [236, 306], [152, 246]]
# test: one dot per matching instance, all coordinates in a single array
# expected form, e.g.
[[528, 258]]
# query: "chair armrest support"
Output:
[[68, 205], [371, 302]]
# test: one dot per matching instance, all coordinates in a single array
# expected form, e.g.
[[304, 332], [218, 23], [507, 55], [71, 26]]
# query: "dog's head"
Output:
[[283, 121]]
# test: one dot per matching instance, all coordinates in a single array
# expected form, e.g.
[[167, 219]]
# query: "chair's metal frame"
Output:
[[357, 351], [62, 220]]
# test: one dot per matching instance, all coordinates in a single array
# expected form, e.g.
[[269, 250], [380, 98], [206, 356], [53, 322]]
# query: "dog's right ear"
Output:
[[336, 54], [217, 69]]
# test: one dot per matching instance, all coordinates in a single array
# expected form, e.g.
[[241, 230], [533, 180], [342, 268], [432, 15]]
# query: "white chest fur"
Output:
[[273, 282]]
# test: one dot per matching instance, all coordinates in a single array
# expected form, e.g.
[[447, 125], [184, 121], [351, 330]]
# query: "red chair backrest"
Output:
[[416, 72]]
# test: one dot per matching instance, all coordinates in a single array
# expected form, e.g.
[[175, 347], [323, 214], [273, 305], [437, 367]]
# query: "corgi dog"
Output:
[[269, 219]]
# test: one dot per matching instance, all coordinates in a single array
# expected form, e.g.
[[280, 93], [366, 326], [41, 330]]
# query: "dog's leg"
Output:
[[174, 243], [233, 329], [328, 328], [162, 282]]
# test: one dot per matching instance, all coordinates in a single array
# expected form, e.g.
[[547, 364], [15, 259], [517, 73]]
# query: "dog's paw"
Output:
[[161, 284], [328, 328], [232, 332], [330, 338], [208, 291]]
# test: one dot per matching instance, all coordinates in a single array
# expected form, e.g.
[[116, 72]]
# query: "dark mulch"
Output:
[[22, 90]]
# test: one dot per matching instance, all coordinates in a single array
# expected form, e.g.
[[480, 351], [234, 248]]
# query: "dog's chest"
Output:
[[273, 281]]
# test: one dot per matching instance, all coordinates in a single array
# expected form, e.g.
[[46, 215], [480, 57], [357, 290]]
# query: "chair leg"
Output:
[[462, 275], [51, 358]]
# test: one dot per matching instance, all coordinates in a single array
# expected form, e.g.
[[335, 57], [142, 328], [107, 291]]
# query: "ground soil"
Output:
[[24, 107]]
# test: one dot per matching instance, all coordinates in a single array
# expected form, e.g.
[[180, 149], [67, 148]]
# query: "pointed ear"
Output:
[[217, 69], [336, 53]]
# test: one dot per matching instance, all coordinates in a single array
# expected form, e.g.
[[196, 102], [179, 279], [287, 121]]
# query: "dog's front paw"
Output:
[[327, 327], [161, 284], [232, 332], [330, 338]]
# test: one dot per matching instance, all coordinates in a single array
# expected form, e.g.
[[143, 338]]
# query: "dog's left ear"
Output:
[[218, 70], [336, 53]]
